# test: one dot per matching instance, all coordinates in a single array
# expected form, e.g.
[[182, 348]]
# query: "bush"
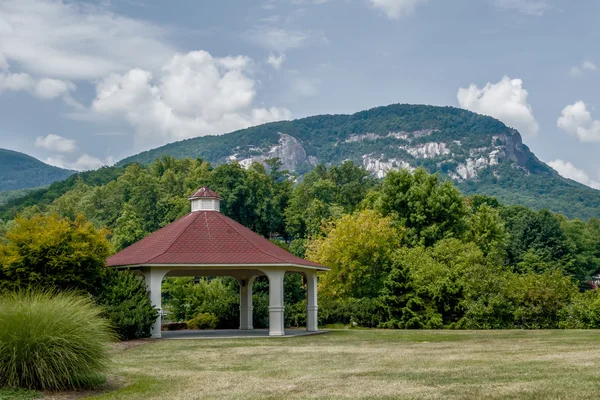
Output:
[[218, 296], [356, 312], [52, 341], [583, 312], [125, 302], [174, 326], [203, 321], [53, 252]]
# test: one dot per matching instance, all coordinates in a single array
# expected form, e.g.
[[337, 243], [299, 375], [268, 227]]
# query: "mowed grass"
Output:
[[366, 364]]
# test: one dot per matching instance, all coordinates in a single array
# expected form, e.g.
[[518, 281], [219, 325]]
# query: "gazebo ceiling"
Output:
[[206, 238]]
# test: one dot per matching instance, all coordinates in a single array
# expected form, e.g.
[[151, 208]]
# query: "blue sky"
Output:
[[86, 83]]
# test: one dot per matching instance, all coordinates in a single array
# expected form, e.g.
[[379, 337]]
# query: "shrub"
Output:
[[203, 321], [125, 302], [52, 341], [53, 252], [583, 312], [218, 296], [357, 312], [174, 326]]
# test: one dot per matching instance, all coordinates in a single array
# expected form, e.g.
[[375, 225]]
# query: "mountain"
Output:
[[479, 153], [20, 171]]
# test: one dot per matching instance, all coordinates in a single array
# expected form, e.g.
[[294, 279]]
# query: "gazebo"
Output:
[[205, 242]]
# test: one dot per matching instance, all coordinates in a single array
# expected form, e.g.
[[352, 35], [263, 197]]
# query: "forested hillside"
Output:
[[479, 153], [20, 171]]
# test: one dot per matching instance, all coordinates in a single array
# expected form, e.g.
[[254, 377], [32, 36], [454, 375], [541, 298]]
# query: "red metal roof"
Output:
[[204, 192], [205, 238]]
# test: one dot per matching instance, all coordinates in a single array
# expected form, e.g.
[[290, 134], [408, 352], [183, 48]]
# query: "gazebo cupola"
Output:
[[205, 200]]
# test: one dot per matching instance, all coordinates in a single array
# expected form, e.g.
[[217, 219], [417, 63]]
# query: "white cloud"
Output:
[[14, 82], [505, 100], [75, 40], [578, 70], [281, 40], [56, 143], [85, 162], [50, 88], [589, 66], [576, 120], [568, 170], [195, 95], [527, 7], [276, 61], [394, 9], [45, 88]]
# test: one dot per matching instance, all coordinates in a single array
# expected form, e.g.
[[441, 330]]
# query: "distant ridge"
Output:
[[20, 171]]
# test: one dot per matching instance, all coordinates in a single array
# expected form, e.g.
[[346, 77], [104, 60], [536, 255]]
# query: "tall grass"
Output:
[[52, 341]]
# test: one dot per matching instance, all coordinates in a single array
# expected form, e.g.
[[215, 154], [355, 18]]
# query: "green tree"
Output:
[[430, 210], [124, 300], [486, 230], [323, 194], [358, 248], [54, 252]]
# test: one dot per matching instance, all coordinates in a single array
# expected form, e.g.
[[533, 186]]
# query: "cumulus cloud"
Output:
[[48, 88], [568, 170], [579, 70], [14, 82], [85, 162], [195, 94], [576, 120], [280, 39], [276, 61], [54, 142], [527, 7], [395, 9], [77, 40], [45, 88], [505, 100]]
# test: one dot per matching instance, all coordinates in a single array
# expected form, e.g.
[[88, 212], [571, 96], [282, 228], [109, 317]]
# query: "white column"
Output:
[[246, 307], [311, 302], [276, 320], [153, 278]]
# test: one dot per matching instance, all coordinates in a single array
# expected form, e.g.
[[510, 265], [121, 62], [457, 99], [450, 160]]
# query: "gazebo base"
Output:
[[233, 334]]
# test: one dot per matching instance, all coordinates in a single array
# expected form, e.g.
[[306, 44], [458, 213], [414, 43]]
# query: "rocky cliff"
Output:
[[479, 153]]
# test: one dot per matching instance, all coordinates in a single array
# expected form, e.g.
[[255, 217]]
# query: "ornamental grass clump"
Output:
[[52, 341]]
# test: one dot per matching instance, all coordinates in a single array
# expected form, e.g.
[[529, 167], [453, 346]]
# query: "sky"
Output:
[[87, 83]]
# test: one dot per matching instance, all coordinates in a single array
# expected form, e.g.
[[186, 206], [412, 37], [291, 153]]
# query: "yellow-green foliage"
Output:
[[52, 341], [49, 251], [358, 248], [203, 321]]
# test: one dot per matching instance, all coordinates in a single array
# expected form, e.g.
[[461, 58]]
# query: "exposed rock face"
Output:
[[428, 150], [289, 150], [380, 166], [465, 163]]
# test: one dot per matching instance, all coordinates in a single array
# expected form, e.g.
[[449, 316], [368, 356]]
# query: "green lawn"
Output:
[[365, 364]]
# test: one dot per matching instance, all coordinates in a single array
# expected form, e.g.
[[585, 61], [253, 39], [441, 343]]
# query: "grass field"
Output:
[[365, 364]]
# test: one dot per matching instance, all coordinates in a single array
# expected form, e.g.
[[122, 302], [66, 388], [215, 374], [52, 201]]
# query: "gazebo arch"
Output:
[[205, 242]]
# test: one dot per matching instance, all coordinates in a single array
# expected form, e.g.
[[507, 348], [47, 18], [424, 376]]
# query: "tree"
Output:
[[537, 241], [358, 248], [323, 194], [430, 210], [486, 230], [126, 303], [50, 251]]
